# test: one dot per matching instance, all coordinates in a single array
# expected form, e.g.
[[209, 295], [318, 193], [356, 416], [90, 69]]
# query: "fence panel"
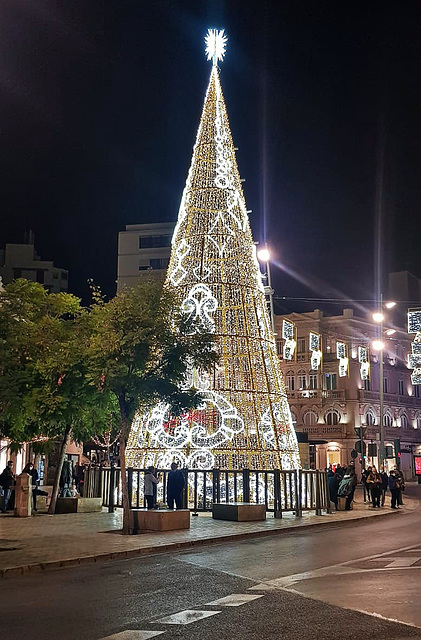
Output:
[[280, 491]]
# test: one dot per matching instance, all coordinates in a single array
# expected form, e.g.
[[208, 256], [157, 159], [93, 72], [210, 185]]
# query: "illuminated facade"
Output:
[[244, 420], [328, 403]]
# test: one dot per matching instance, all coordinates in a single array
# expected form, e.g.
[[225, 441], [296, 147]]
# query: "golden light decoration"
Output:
[[244, 420]]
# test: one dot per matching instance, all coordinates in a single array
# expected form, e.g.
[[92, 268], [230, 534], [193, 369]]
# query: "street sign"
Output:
[[360, 431], [357, 447], [372, 450], [354, 454]]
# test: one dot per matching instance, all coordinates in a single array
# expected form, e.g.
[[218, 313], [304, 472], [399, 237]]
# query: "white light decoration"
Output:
[[364, 360], [314, 343], [243, 419], [288, 335], [215, 45], [414, 358], [342, 355]]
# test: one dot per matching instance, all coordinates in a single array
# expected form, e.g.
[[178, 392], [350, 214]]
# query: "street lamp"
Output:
[[378, 345], [264, 256]]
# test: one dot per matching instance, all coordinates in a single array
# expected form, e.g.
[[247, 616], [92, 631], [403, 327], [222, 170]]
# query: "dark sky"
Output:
[[100, 103]]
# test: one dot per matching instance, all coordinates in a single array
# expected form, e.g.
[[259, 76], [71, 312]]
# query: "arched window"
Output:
[[294, 418], [302, 380], [418, 421], [290, 381], [310, 418], [387, 420], [370, 418], [404, 421], [332, 417]]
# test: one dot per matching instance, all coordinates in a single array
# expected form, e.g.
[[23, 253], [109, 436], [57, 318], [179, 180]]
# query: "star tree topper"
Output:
[[215, 45]]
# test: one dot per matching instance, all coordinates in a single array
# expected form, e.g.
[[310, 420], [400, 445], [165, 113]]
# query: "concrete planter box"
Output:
[[238, 511], [78, 505], [143, 521]]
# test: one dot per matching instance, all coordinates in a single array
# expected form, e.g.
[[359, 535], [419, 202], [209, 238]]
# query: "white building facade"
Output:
[[328, 406], [22, 261], [143, 251]]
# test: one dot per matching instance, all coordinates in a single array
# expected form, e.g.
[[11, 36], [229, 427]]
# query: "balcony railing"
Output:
[[392, 398]]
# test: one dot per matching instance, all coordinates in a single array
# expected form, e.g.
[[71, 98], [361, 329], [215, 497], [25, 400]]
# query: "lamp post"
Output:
[[264, 256], [378, 345]]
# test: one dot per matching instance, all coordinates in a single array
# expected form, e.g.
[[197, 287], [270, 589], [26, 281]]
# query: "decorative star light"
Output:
[[215, 45]]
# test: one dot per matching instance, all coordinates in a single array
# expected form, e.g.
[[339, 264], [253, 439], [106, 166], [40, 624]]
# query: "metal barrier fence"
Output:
[[281, 491]]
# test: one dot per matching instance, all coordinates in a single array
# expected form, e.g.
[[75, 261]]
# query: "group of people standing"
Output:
[[342, 482], [8, 479], [377, 483], [175, 486]]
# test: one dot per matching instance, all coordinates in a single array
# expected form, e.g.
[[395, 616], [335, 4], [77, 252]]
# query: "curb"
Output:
[[37, 567]]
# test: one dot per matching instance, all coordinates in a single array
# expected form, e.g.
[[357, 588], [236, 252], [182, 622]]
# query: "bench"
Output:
[[78, 505], [238, 511], [144, 520]]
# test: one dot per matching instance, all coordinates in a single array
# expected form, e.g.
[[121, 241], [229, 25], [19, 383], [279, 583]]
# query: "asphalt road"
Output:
[[336, 583]]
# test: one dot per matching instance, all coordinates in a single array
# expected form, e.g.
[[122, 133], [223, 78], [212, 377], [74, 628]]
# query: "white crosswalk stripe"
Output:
[[235, 600], [186, 617], [401, 562], [132, 634]]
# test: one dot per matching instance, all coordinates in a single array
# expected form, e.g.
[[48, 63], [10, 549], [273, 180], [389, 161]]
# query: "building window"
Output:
[[418, 422], [312, 381], [370, 418], [331, 381], [302, 380], [290, 379], [279, 348], [332, 417], [151, 242], [64, 275], [40, 276], [404, 421], [366, 384], [387, 420], [400, 387], [310, 418], [416, 389], [301, 345], [385, 385], [293, 418]]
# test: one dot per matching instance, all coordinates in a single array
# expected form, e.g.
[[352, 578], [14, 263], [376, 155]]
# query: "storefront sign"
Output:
[[417, 463]]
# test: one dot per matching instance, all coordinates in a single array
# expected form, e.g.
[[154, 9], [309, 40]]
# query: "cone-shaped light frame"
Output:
[[244, 421]]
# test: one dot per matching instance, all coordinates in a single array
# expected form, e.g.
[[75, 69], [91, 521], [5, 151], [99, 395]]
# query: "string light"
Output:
[[243, 420]]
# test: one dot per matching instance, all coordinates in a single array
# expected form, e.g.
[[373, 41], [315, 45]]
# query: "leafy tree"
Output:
[[44, 386], [140, 349]]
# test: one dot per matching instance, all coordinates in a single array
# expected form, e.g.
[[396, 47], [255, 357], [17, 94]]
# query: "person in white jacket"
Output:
[[151, 480]]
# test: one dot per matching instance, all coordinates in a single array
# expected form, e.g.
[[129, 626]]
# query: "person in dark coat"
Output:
[[175, 487], [385, 484], [7, 480], [333, 481], [374, 481], [30, 470], [395, 486]]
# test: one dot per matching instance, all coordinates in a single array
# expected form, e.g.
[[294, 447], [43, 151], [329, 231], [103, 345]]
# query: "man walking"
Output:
[[175, 487]]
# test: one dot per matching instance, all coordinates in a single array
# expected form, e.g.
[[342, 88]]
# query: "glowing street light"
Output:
[[378, 345], [264, 256], [390, 332]]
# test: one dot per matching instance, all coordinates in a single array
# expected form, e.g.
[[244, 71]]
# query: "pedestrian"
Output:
[[333, 481], [364, 477], [347, 487], [30, 470], [7, 480], [402, 487], [395, 488], [374, 481], [151, 480], [175, 487], [385, 484]]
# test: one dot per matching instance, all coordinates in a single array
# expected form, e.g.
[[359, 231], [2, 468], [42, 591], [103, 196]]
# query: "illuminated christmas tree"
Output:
[[244, 420]]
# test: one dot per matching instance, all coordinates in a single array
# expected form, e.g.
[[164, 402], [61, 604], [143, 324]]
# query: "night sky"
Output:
[[100, 103]]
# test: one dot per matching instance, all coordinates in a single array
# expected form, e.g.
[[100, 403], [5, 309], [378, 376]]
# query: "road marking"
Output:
[[186, 617], [235, 600], [130, 634], [402, 562], [262, 586]]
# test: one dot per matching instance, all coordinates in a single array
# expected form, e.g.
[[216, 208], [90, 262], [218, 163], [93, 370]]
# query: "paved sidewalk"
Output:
[[46, 542]]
